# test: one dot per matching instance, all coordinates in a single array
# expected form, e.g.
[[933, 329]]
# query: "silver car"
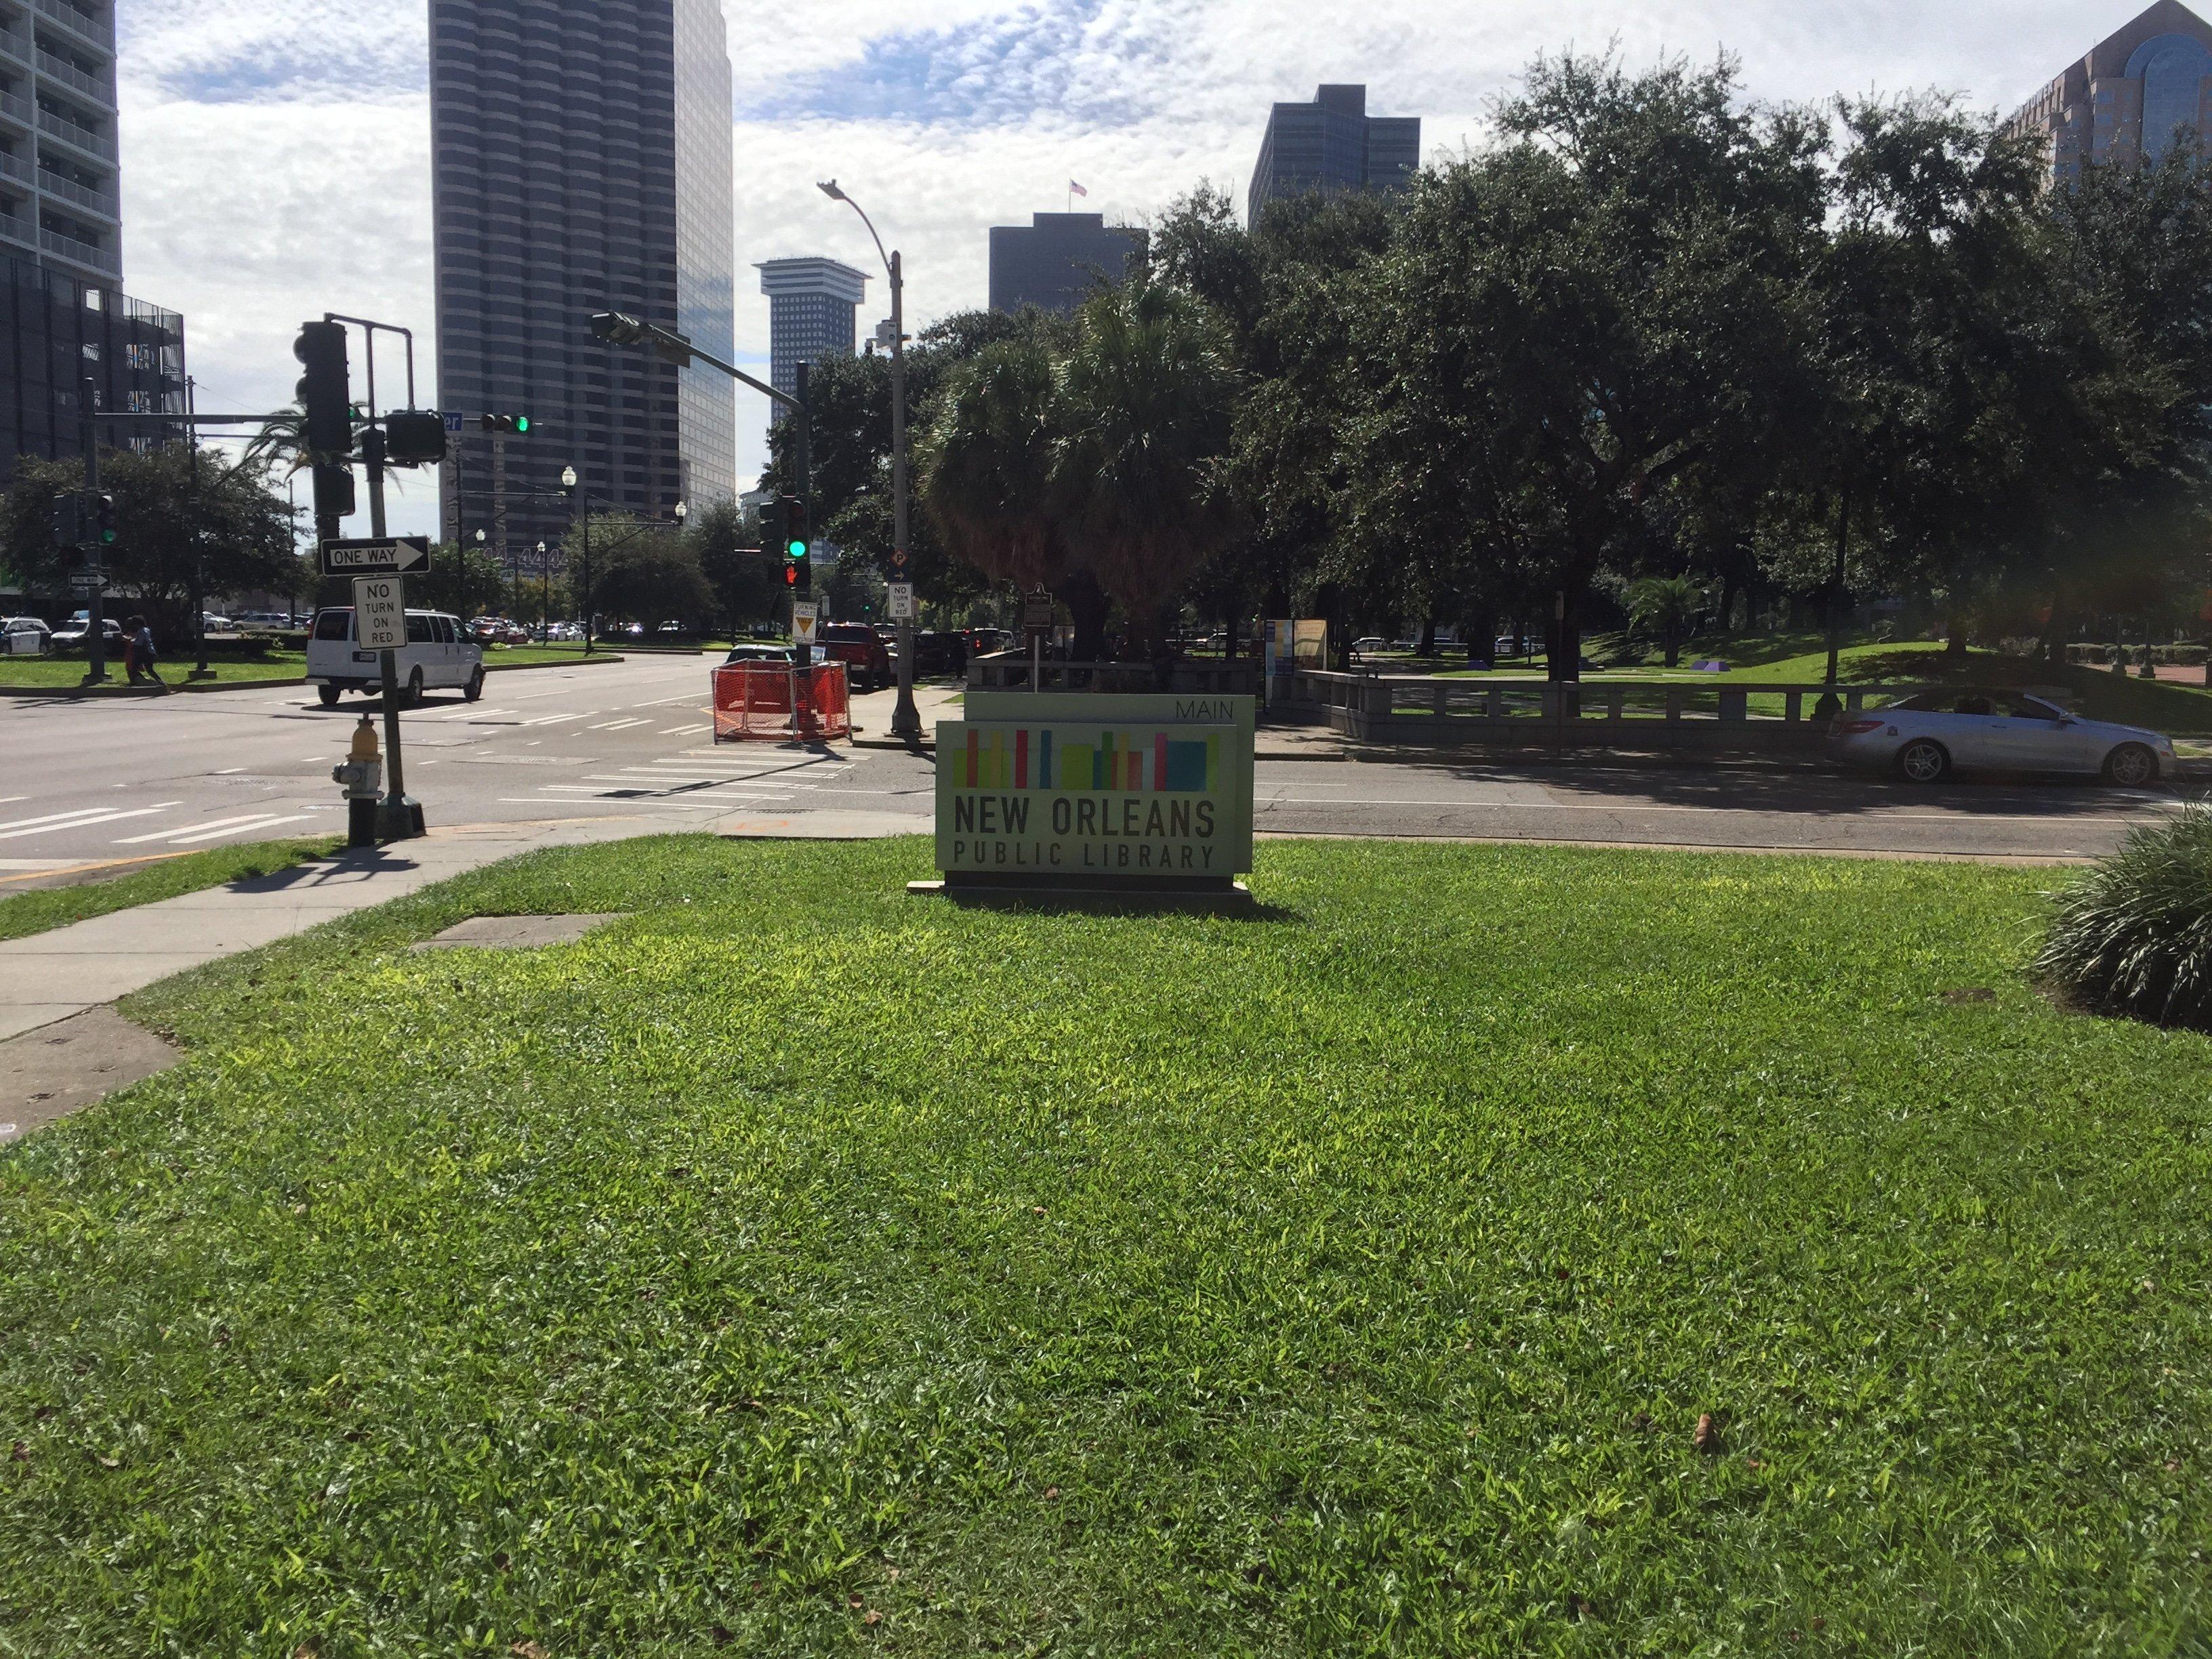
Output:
[[1923, 738]]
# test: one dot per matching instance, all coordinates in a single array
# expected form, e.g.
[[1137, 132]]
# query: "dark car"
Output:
[[984, 641], [940, 653], [867, 661]]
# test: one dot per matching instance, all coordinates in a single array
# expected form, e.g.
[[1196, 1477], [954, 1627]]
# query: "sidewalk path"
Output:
[[50, 976]]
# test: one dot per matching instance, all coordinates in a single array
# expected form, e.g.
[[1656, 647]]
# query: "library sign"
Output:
[[1070, 790]]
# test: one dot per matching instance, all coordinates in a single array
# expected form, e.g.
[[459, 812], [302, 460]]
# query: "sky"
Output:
[[276, 153]]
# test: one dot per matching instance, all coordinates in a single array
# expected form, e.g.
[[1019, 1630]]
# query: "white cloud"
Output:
[[277, 157]]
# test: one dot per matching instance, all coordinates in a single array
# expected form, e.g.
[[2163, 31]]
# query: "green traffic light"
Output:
[[522, 423], [798, 551]]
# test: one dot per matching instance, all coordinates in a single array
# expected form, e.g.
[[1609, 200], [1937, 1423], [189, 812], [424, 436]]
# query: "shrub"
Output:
[[2134, 937]]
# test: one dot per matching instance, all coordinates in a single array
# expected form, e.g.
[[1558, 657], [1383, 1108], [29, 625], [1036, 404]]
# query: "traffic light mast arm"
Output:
[[617, 329], [370, 328]]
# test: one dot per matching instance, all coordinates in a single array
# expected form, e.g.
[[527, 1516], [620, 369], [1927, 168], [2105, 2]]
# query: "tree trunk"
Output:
[[1230, 635], [1429, 637], [1955, 634], [1482, 640], [1674, 647], [1087, 603]]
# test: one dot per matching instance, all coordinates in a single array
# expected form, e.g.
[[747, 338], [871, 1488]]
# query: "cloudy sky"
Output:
[[276, 152]]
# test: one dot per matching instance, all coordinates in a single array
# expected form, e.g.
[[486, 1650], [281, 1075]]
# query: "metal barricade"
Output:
[[774, 703]]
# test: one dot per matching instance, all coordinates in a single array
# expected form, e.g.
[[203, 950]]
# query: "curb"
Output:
[[83, 693]]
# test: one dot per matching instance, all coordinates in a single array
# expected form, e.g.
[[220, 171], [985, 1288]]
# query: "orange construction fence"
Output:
[[755, 700]]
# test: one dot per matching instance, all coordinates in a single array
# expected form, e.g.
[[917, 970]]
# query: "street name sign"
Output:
[[383, 555], [1046, 792], [901, 601], [381, 612]]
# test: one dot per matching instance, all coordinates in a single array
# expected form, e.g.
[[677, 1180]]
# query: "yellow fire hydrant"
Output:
[[362, 776]]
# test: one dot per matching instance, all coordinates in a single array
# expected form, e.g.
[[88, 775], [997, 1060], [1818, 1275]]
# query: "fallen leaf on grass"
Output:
[[1708, 1437], [1052, 1492], [109, 1462], [528, 1650], [21, 1453], [872, 1617]]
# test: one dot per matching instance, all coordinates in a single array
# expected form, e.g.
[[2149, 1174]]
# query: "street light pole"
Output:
[[906, 720], [570, 482]]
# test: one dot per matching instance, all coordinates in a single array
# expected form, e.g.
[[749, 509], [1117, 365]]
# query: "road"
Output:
[[95, 782]]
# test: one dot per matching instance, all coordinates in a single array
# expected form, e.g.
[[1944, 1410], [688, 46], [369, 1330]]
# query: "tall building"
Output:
[[2129, 98], [810, 315], [63, 313], [1057, 258], [1332, 144], [583, 163]]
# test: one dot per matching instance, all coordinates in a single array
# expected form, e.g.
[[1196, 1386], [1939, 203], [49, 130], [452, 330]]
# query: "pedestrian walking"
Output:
[[139, 656]]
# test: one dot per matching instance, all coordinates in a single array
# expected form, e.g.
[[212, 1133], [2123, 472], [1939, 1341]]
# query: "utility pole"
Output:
[[198, 527], [906, 720], [96, 632]]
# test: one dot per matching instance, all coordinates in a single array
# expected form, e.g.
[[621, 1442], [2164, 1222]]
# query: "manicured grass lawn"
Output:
[[22, 913], [800, 1268], [65, 673]]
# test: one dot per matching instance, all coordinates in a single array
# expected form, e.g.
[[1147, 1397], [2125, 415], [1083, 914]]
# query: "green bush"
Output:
[[2134, 937]]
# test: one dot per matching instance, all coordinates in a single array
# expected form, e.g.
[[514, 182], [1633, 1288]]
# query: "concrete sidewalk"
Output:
[[51, 976]]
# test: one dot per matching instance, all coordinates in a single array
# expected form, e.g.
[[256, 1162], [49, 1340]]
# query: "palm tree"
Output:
[[1145, 401], [1668, 605], [281, 443], [984, 464]]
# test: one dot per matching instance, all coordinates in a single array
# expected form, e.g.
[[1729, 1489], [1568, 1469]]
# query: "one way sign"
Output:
[[385, 556]]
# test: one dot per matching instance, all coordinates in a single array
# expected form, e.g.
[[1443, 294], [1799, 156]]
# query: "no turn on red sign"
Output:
[[379, 609]]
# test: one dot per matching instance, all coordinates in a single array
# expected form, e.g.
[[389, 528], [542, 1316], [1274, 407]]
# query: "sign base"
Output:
[[993, 887]]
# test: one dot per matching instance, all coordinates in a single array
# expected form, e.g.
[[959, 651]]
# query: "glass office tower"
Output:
[[1332, 144], [584, 163]]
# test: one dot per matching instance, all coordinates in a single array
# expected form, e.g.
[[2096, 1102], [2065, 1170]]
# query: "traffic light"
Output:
[[103, 520], [517, 424], [322, 388], [615, 329], [67, 522], [414, 437], [333, 493], [799, 565]]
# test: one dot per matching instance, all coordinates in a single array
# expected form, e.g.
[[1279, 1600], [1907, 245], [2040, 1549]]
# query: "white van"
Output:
[[438, 653]]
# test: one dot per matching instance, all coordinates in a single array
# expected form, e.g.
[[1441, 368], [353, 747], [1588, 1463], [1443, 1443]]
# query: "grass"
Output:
[[47, 908], [795, 1268], [65, 673]]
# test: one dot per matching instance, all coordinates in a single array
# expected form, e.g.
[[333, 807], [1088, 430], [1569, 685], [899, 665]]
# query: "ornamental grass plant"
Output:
[[2134, 937]]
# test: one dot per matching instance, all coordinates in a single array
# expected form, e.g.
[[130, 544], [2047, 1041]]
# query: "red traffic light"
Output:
[[791, 575]]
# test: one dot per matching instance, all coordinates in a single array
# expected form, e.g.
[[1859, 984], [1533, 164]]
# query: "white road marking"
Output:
[[620, 725], [9, 800], [81, 813], [556, 720], [471, 714], [173, 830], [230, 771], [238, 830], [87, 821], [663, 702], [682, 731]]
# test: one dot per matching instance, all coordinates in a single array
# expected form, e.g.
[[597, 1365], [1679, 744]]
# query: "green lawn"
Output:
[[797, 1268], [47, 908], [67, 672]]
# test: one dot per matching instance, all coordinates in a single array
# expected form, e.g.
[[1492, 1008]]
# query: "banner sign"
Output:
[[1078, 790]]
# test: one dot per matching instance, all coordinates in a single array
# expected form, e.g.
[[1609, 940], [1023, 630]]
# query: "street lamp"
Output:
[[906, 720], [568, 482], [545, 587]]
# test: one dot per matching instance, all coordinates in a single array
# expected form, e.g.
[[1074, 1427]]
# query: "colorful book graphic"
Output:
[[1111, 762]]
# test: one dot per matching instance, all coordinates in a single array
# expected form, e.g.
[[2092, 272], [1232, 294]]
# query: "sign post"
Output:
[[1041, 793], [379, 611]]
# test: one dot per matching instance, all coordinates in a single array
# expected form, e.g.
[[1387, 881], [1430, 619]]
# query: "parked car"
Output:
[[867, 664], [982, 641], [211, 623], [24, 636], [769, 654], [1924, 739], [71, 633], [938, 653], [1372, 643], [439, 655]]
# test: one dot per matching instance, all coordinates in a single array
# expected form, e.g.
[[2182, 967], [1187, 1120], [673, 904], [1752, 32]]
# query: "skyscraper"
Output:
[[2126, 100], [1332, 144], [810, 306], [1054, 261], [583, 163], [63, 313]]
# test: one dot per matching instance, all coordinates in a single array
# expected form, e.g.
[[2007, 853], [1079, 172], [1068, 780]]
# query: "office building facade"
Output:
[[583, 162], [56, 330], [1058, 259], [2132, 99], [1332, 144], [811, 315]]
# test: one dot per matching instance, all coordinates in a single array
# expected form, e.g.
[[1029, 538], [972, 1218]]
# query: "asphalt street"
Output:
[[98, 781]]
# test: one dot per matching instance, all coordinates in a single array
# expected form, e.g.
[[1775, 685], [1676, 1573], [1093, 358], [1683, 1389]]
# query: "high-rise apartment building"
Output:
[[1057, 258], [1332, 144], [583, 163], [2130, 97], [64, 316], [810, 315]]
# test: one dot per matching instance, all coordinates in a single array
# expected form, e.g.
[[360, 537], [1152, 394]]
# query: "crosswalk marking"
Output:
[[557, 720], [177, 830], [618, 726], [238, 829], [682, 731], [472, 714], [82, 817]]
